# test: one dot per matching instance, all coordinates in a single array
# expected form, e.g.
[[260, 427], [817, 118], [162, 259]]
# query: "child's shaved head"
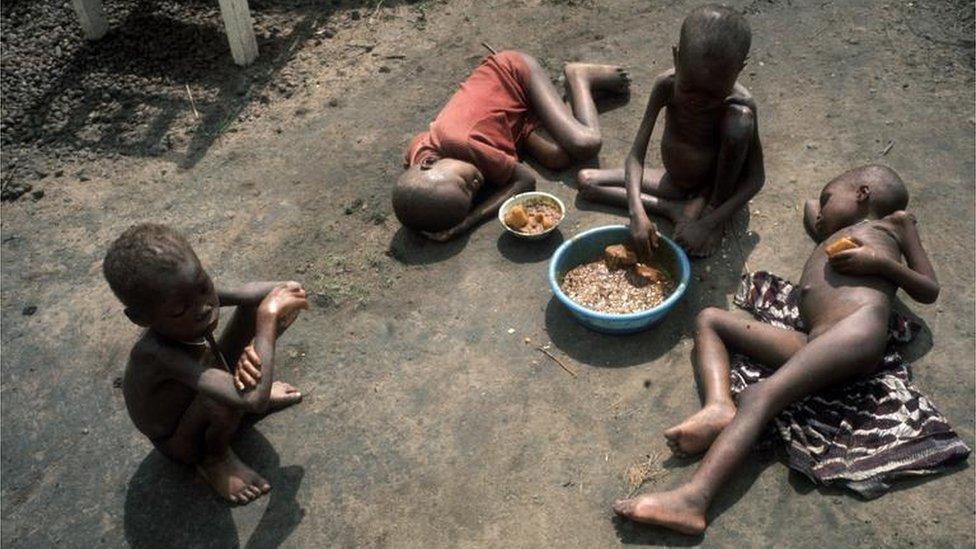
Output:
[[430, 199], [716, 34], [888, 191], [139, 261]]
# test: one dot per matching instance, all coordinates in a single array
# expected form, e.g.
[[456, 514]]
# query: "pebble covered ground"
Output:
[[159, 84]]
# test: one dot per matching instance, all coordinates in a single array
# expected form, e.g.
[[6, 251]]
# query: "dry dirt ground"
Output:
[[428, 424]]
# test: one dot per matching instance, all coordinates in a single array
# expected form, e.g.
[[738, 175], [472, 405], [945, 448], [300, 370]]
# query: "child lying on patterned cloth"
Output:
[[863, 434], [845, 304]]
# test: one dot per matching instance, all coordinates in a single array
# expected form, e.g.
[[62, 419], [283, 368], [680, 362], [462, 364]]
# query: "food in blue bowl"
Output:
[[668, 274]]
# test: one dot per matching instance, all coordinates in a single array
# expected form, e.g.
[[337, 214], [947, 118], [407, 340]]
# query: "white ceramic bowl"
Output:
[[531, 197]]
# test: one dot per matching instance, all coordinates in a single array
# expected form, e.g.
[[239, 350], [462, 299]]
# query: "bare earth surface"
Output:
[[426, 423]]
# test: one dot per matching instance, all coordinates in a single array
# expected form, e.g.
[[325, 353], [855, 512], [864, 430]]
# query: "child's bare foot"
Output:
[[671, 510], [682, 213], [233, 480], [699, 239], [282, 396], [697, 432], [607, 78]]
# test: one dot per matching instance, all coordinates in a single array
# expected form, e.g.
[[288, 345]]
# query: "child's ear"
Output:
[[863, 193], [137, 316]]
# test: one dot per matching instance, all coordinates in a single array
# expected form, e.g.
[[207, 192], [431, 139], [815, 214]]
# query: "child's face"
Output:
[[841, 204], [701, 83], [189, 308]]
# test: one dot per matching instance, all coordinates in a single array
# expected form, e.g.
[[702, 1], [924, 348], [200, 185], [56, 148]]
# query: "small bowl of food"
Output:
[[533, 215]]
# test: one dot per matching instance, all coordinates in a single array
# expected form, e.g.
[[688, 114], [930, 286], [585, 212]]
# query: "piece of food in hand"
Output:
[[619, 256], [647, 273], [516, 218], [839, 245]]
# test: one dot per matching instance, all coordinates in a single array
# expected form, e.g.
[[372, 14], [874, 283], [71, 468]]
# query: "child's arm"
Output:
[[281, 302], [749, 181], [642, 231], [917, 278], [249, 294], [523, 180]]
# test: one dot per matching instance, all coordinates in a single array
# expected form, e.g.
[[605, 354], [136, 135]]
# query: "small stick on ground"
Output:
[[10, 171], [546, 352], [887, 149], [491, 49], [377, 10], [192, 104]]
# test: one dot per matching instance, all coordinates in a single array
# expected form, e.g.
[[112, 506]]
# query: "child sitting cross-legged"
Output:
[[178, 388]]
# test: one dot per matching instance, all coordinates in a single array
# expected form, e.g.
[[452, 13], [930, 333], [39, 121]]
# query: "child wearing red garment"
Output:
[[506, 108]]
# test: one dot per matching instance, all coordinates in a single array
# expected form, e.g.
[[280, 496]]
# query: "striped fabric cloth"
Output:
[[860, 436]]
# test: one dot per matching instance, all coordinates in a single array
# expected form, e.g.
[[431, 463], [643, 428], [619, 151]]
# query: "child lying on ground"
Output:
[[178, 392], [845, 303], [507, 106], [713, 160]]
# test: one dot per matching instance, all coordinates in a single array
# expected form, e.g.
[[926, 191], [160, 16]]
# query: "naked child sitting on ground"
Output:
[[178, 389], [713, 160]]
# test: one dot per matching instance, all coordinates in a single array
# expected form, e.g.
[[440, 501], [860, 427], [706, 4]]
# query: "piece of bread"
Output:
[[618, 257], [839, 245], [516, 218], [646, 272]]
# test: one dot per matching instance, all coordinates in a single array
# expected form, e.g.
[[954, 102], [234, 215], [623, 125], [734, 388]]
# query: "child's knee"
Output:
[[755, 399], [586, 144], [223, 417], [739, 125], [708, 318]]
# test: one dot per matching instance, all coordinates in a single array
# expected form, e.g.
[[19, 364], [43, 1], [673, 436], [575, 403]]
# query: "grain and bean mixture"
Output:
[[599, 288], [533, 217]]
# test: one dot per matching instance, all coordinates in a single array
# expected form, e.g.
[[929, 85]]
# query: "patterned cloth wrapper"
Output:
[[860, 436]]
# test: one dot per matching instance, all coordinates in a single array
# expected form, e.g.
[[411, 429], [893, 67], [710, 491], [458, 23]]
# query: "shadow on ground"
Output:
[[126, 92], [410, 248], [166, 504], [519, 250], [922, 343]]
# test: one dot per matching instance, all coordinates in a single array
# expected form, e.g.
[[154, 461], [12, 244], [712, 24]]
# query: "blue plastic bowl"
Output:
[[588, 245]]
